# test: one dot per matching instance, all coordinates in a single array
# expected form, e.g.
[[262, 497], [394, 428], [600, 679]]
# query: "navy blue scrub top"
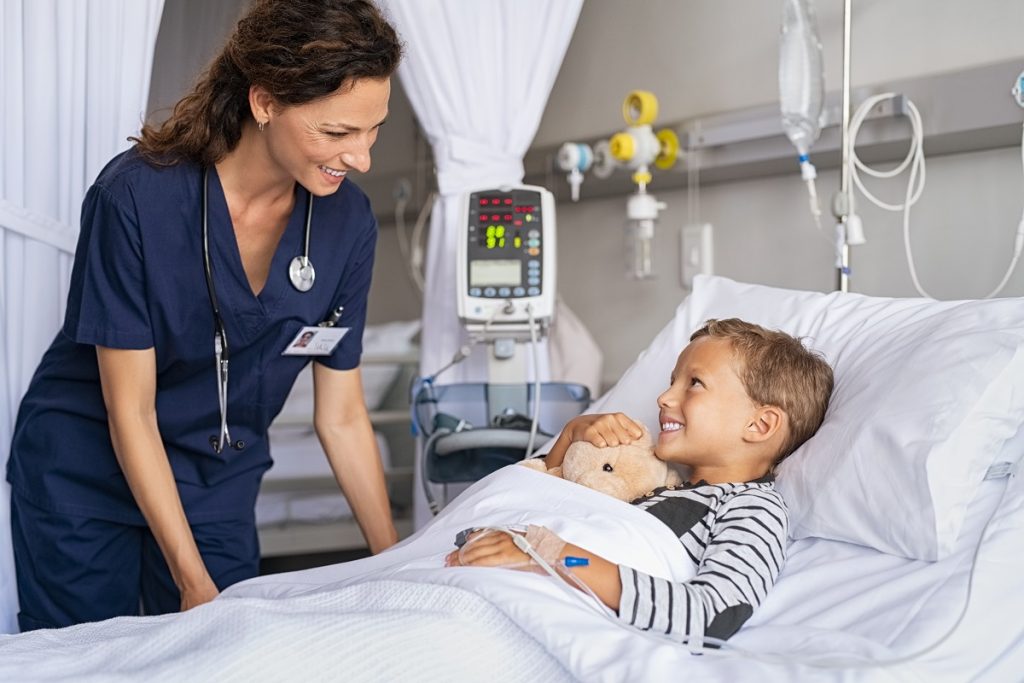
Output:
[[138, 282]]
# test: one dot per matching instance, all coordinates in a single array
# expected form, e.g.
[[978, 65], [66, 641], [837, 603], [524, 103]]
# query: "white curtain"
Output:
[[478, 74], [75, 78]]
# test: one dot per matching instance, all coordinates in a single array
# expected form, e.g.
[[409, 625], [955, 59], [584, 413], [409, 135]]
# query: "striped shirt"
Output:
[[735, 535]]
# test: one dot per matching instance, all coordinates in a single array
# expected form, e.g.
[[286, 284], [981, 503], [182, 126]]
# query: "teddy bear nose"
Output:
[[608, 468]]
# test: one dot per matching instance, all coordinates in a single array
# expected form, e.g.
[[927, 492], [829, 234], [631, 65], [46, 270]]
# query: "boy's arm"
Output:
[[600, 575], [498, 550], [741, 562], [745, 552]]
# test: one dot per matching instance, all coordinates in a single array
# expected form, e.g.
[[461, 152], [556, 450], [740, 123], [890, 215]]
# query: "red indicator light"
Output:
[[483, 202], [495, 217], [508, 201], [496, 202], [483, 218], [508, 216], [517, 222]]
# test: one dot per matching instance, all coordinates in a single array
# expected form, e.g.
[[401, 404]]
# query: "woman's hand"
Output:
[[201, 593], [600, 429]]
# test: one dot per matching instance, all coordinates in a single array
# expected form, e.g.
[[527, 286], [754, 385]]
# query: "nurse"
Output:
[[228, 232]]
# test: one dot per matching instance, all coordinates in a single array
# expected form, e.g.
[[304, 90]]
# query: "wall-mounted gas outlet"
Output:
[[697, 253], [1018, 90]]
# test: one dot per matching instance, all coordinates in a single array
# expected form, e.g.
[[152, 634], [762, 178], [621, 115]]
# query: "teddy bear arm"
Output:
[[534, 464]]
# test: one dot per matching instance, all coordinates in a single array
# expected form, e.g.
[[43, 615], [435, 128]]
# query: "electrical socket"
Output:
[[697, 253]]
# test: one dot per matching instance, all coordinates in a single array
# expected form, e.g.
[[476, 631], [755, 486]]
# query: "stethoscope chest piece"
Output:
[[301, 273]]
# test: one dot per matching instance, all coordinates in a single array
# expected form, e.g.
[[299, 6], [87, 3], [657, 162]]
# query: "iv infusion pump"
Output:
[[506, 260]]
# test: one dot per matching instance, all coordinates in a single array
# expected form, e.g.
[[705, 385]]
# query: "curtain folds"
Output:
[[478, 75], [75, 77]]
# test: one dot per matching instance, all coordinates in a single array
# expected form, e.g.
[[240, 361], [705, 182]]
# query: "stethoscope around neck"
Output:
[[301, 274]]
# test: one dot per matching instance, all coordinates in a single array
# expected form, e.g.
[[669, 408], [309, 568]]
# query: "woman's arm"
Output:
[[128, 379], [343, 426], [600, 429]]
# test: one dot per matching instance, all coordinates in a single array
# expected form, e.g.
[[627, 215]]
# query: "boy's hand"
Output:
[[488, 550], [600, 429], [603, 429], [496, 549]]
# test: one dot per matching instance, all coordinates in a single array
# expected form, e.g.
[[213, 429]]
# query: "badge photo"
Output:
[[315, 341]]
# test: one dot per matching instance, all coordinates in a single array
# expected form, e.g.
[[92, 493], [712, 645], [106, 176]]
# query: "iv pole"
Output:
[[841, 201]]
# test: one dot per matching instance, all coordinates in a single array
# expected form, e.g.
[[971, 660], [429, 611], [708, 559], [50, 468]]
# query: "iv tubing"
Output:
[[915, 185], [536, 385]]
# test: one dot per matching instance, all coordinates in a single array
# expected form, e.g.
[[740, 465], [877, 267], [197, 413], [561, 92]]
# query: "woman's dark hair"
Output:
[[299, 50]]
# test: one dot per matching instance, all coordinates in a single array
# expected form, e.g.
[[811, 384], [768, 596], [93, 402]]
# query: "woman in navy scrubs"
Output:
[[125, 493]]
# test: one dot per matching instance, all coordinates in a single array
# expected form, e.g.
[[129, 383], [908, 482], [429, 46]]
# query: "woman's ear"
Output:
[[766, 422], [261, 102]]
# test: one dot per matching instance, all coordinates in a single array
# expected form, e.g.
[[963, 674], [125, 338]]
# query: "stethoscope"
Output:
[[302, 275]]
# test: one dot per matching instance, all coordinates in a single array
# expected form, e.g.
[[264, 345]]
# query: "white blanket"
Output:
[[355, 621], [351, 634]]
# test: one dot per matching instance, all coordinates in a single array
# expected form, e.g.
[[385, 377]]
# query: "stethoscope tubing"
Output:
[[220, 336]]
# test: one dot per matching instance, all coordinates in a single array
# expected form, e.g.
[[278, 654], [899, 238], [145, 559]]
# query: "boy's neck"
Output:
[[726, 474]]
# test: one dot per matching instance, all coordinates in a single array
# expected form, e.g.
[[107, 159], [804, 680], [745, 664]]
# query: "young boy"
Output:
[[741, 399]]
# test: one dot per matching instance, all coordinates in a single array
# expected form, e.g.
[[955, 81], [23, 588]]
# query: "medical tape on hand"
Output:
[[547, 545]]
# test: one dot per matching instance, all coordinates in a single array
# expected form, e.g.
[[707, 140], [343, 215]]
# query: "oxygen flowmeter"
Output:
[[506, 261]]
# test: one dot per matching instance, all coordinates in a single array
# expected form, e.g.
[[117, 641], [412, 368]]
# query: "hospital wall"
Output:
[[702, 57]]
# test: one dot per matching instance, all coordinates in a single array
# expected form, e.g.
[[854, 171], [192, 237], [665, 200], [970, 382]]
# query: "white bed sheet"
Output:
[[832, 598]]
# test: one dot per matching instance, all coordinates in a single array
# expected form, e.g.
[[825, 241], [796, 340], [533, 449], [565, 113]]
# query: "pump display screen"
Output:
[[495, 272]]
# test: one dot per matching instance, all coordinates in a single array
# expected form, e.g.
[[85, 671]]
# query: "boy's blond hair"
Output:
[[778, 370]]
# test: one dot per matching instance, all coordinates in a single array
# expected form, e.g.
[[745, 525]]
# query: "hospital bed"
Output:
[[933, 576], [300, 509]]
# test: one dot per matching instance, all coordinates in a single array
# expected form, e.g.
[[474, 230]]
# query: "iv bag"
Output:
[[801, 75]]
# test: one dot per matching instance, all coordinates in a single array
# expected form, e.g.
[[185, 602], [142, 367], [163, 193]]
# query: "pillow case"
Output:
[[926, 395]]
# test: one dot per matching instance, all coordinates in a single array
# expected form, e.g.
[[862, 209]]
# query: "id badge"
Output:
[[315, 341]]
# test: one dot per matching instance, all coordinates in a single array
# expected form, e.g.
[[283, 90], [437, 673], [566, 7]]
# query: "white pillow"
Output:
[[927, 393]]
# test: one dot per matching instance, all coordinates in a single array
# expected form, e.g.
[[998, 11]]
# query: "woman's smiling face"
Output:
[[318, 142]]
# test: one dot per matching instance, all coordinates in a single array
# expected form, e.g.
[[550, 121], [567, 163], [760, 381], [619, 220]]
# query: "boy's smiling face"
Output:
[[706, 412]]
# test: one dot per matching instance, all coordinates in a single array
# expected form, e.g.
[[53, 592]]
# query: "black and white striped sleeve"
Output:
[[741, 561]]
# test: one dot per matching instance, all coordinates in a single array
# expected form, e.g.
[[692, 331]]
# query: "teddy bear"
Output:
[[626, 472]]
